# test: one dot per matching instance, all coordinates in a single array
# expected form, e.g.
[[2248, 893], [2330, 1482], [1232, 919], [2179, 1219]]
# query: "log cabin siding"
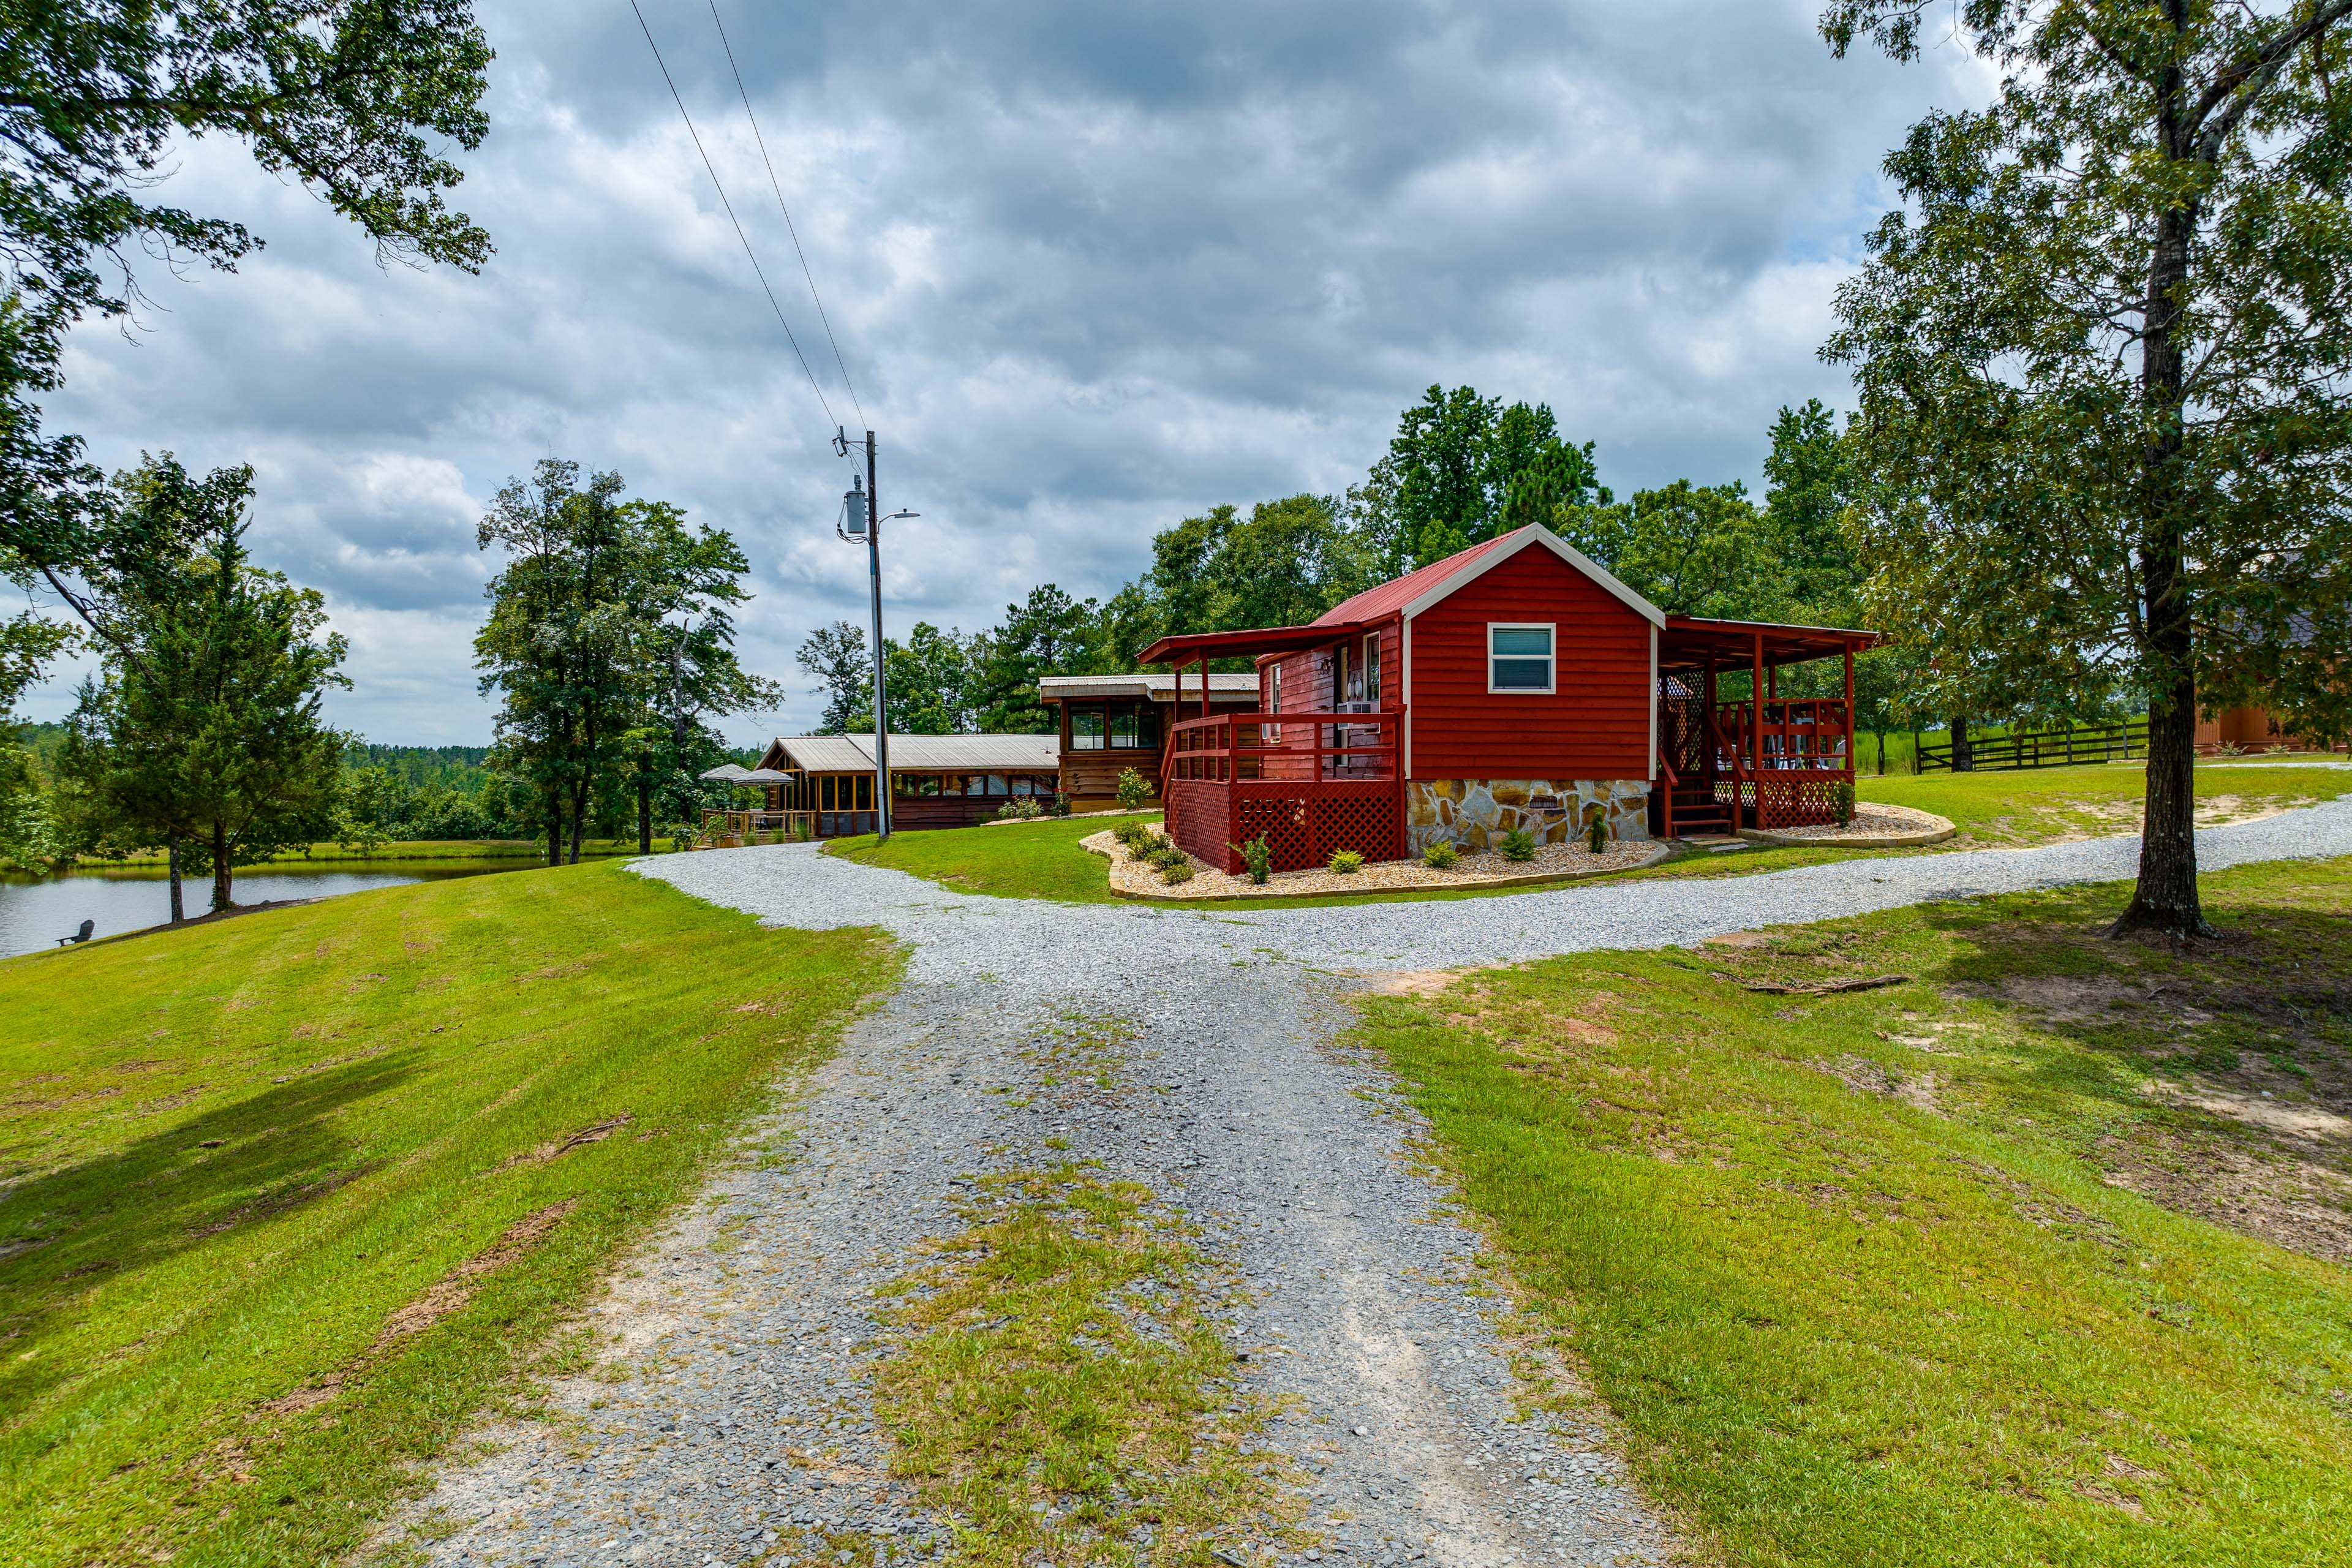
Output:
[[1594, 724]]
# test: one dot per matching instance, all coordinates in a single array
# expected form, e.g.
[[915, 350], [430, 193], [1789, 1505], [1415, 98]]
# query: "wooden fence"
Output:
[[2126, 740]]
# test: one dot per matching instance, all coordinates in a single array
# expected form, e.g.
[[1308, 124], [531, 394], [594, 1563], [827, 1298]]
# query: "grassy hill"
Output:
[[288, 1198]]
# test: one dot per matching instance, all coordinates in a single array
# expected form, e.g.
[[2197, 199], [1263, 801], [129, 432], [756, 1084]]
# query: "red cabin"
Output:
[[1514, 685]]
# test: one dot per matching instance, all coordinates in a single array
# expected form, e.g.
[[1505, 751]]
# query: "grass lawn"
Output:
[[289, 1198], [2036, 1257], [1018, 860], [1043, 860]]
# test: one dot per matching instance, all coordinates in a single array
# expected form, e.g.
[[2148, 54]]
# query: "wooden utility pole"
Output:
[[881, 705]]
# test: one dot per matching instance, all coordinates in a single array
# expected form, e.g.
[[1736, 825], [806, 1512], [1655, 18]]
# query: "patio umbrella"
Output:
[[729, 773], [762, 776]]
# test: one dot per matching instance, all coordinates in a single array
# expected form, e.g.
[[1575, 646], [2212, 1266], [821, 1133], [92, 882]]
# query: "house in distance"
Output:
[[1515, 684]]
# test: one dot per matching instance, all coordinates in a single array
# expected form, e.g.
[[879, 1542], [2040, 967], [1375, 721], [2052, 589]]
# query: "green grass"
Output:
[[1057, 1389], [361, 1157], [1870, 1278], [1018, 860], [2035, 806]]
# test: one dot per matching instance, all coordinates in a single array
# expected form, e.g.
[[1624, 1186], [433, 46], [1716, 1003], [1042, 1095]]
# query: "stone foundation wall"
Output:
[[1472, 813]]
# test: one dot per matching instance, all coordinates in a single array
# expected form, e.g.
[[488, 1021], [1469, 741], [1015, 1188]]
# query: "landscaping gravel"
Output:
[[729, 1417]]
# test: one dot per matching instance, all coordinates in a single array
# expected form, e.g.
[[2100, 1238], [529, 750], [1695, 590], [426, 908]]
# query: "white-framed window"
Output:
[[1372, 669], [1519, 657], [1274, 687]]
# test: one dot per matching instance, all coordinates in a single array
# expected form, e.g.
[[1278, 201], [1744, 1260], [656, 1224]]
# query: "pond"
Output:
[[36, 911]]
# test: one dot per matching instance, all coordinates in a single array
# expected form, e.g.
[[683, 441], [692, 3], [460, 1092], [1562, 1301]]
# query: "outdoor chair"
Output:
[[81, 935]]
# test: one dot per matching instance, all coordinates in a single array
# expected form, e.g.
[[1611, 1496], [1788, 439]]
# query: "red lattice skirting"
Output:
[[1807, 799], [1303, 825]]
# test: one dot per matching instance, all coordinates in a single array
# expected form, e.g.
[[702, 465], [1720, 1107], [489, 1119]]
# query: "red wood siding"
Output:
[[1595, 724]]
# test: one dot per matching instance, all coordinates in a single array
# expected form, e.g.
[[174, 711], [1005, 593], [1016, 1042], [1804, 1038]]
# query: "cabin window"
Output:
[[1086, 729], [1518, 657], [993, 783], [1372, 670], [1126, 729]]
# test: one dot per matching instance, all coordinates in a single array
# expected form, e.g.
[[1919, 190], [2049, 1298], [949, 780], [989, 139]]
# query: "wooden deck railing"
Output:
[[1791, 734], [1230, 747], [731, 829]]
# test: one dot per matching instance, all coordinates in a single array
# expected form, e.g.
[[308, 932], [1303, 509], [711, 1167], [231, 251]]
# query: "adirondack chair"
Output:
[[81, 935]]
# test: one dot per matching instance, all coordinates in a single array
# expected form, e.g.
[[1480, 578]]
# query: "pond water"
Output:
[[35, 912]]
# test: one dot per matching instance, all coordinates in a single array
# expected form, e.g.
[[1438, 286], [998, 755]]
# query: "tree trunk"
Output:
[[222, 890], [1882, 751], [1914, 750], [179, 904], [645, 811], [2166, 898], [579, 817], [555, 827], [1964, 759]]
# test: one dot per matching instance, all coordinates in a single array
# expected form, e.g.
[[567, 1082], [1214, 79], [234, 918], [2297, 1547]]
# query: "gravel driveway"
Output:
[[731, 1416]]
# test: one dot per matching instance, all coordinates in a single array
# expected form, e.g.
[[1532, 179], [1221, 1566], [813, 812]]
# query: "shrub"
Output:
[[1346, 863], [1518, 844], [1180, 872], [1061, 804], [1134, 789], [1131, 832], [2230, 749], [1165, 856], [1441, 856], [1596, 832], [805, 829], [1844, 795], [1257, 858], [1023, 810], [2279, 751]]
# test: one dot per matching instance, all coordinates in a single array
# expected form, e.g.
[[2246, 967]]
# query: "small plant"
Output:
[[805, 829], [1181, 871], [1132, 834], [2230, 749], [1257, 858], [1061, 804], [1596, 832], [1346, 863], [1843, 798], [1164, 855], [1441, 856], [2280, 751], [1518, 844], [1023, 810], [1134, 789]]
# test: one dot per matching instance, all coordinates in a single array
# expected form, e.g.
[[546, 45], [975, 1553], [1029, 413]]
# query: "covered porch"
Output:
[[1760, 760], [1312, 780]]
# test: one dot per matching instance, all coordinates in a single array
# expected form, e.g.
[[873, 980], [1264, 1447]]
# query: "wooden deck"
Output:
[[1311, 783]]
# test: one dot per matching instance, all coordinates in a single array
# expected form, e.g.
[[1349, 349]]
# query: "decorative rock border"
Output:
[[1145, 887], [1919, 829]]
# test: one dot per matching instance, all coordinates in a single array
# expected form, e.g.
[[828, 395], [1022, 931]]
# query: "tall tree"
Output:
[[1694, 550], [1046, 634], [2104, 356], [840, 660], [1450, 471], [930, 678], [359, 101], [27, 843], [1808, 485], [207, 724], [563, 644]]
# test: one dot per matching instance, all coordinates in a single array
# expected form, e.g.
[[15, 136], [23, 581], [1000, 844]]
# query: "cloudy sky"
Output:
[[1092, 268]]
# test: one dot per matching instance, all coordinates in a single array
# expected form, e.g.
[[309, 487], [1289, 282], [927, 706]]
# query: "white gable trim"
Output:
[[1537, 533]]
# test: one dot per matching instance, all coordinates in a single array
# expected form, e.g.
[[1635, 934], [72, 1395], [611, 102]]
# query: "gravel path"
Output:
[[729, 1419]]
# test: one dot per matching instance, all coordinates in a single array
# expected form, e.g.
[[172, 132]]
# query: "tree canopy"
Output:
[[359, 101], [2102, 357]]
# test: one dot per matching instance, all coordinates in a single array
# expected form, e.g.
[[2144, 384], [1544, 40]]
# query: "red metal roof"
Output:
[[1241, 644], [1377, 603]]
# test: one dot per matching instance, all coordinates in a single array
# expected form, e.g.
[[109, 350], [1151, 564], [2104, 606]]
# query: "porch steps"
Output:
[[1698, 813]]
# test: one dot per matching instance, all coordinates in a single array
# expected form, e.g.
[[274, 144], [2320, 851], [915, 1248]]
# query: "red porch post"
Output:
[[1756, 750], [1850, 766]]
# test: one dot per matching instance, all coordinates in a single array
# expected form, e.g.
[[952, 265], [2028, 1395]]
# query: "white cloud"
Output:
[[1094, 269]]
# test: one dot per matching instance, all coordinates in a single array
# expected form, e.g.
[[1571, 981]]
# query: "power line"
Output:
[[775, 185], [731, 217]]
